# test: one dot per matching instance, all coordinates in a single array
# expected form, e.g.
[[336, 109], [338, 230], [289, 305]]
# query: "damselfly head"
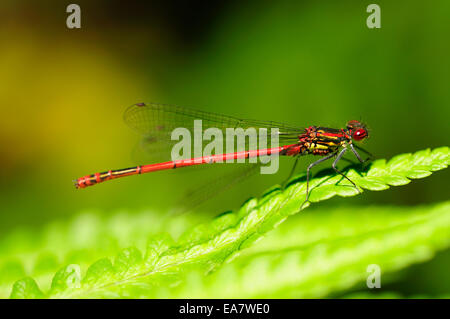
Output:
[[357, 130]]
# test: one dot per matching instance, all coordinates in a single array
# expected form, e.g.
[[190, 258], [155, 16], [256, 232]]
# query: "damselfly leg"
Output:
[[291, 173], [339, 155], [323, 159], [369, 158]]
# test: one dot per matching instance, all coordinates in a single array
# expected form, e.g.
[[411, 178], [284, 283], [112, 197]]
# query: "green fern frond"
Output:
[[391, 295], [207, 246], [320, 252]]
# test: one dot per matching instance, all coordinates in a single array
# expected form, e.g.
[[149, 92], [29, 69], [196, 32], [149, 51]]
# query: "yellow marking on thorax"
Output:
[[313, 146]]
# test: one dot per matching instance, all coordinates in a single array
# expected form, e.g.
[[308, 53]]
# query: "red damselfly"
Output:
[[156, 122]]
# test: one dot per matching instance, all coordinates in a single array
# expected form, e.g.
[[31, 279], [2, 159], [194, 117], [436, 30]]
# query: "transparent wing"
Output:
[[213, 187], [156, 122]]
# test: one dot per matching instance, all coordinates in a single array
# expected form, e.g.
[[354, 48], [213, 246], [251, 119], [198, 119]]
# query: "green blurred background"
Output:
[[63, 91]]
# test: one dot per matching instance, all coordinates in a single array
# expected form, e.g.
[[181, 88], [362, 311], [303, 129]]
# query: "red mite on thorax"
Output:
[[314, 140]]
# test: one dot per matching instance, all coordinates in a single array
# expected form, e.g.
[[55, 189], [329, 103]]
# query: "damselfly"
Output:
[[156, 122]]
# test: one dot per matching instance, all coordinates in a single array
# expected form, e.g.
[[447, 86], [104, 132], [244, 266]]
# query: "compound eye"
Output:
[[359, 134]]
